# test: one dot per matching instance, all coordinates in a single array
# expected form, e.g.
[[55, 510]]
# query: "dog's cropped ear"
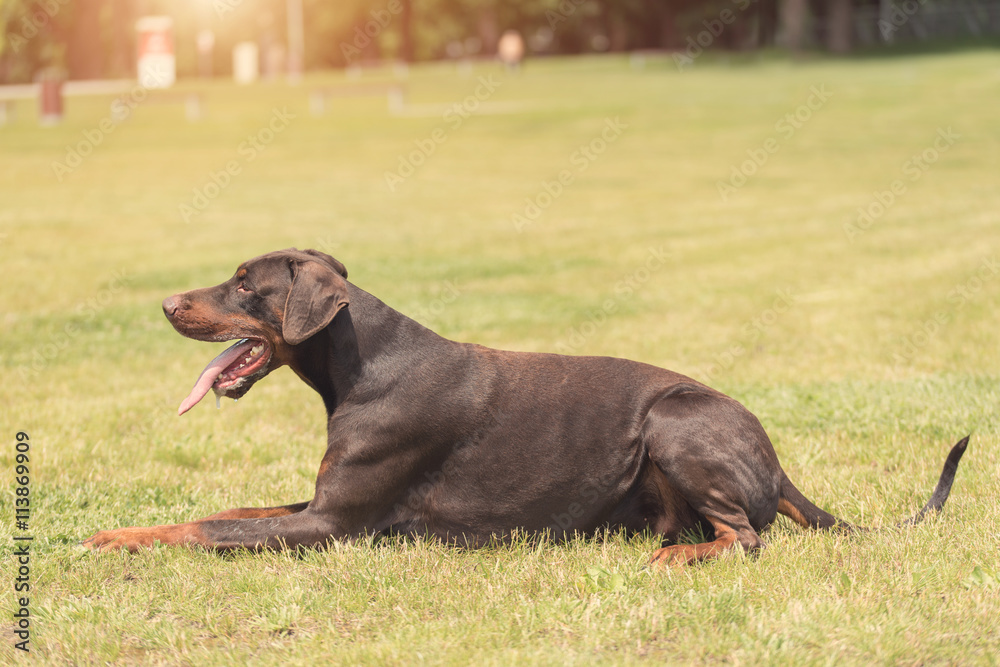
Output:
[[317, 295]]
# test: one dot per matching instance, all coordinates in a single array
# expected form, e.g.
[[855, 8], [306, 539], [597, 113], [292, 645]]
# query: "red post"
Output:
[[50, 98]]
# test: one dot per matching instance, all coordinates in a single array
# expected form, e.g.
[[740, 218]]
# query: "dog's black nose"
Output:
[[170, 306]]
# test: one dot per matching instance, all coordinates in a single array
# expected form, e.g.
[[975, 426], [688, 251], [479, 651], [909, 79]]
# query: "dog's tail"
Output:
[[803, 512]]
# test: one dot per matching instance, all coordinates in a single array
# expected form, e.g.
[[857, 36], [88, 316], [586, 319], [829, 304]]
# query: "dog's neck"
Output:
[[350, 359]]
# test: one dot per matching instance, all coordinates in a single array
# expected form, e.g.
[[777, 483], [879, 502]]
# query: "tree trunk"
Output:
[[793, 23], [406, 29], [649, 28], [669, 39], [123, 39], [839, 25], [84, 57], [488, 27], [767, 22]]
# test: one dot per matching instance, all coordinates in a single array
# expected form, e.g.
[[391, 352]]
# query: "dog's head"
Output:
[[273, 303]]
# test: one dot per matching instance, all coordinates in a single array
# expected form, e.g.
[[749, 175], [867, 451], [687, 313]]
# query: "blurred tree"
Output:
[[96, 38], [839, 25], [84, 46], [406, 31], [123, 17], [794, 14], [30, 38], [767, 22]]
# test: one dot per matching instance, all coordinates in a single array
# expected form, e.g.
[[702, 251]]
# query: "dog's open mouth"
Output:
[[232, 373]]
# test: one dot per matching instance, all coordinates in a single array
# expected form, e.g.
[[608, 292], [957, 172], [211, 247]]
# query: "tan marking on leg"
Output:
[[686, 554], [786, 508], [134, 539]]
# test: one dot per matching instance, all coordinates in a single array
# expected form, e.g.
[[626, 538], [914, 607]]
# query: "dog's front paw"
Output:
[[134, 539], [107, 540], [131, 539], [672, 556]]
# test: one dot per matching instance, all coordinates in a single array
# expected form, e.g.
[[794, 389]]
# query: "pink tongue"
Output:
[[211, 373]]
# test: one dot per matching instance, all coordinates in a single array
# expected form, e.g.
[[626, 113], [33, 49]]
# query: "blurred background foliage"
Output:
[[92, 39]]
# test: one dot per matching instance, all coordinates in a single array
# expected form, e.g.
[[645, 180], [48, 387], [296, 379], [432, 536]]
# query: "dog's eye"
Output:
[[243, 288]]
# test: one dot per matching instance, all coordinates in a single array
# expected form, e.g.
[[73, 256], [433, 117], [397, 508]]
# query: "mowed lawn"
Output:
[[704, 220]]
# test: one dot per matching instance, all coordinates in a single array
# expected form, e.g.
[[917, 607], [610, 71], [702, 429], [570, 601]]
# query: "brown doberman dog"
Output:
[[427, 436]]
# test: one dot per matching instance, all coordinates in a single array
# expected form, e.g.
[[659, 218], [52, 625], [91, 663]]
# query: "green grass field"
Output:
[[866, 347]]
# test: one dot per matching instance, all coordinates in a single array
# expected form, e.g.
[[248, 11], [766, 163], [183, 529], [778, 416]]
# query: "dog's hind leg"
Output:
[[730, 531], [715, 455]]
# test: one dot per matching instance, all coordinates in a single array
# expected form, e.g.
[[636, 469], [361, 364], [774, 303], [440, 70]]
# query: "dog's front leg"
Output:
[[303, 528]]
